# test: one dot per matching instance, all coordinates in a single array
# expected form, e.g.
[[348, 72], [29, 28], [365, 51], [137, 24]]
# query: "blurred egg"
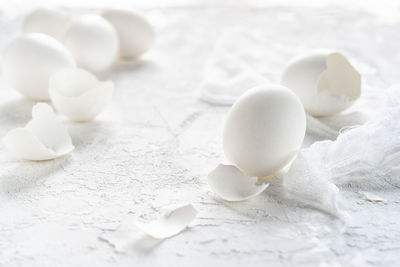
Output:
[[78, 94], [325, 82], [264, 130], [29, 61], [50, 21], [136, 35], [93, 42]]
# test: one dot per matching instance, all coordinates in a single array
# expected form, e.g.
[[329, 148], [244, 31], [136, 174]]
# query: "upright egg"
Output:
[[50, 21], [136, 35], [325, 82], [264, 130], [93, 42], [30, 60]]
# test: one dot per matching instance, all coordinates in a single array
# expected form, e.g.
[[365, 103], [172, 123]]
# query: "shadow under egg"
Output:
[[15, 113], [85, 134], [26, 174]]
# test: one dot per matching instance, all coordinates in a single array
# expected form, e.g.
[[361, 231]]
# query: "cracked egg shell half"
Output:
[[264, 130], [78, 94], [136, 34], [325, 82], [29, 61], [43, 138]]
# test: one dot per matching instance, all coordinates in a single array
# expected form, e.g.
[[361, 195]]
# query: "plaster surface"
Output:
[[156, 142]]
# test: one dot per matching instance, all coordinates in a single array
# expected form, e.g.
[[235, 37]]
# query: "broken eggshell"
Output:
[[50, 21], [230, 184], [170, 224], [78, 94], [136, 35], [325, 82], [264, 130], [43, 138], [93, 42], [29, 61]]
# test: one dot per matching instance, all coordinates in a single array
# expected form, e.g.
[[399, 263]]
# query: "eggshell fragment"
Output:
[[264, 130], [43, 138], [93, 42], [136, 35], [78, 94], [372, 197], [230, 184], [50, 21], [325, 82], [170, 224], [29, 61]]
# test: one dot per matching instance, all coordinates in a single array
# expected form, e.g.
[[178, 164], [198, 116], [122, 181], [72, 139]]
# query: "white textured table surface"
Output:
[[156, 142]]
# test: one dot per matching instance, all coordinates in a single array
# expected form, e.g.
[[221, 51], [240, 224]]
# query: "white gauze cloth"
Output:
[[369, 153]]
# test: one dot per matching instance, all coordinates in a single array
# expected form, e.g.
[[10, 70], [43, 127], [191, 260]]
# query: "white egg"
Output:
[[78, 94], [136, 35], [29, 61], [264, 130], [93, 42], [50, 21], [324, 81]]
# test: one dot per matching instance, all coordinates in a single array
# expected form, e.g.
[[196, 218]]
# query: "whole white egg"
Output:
[[93, 42], [50, 21], [29, 61], [136, 35], [264, 130], [325, 82]]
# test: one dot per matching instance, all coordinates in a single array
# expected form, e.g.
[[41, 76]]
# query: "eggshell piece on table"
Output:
[[29, 61], [78, 94], [325, 82], [170, 224], [43, 138], [136, 34], [51, 21], [93, 42], [264, 130], [230, 184]]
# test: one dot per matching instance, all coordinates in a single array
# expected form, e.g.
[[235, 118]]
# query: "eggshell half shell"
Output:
[[78, 94], [325, 82], [230, 184], [43, 138]]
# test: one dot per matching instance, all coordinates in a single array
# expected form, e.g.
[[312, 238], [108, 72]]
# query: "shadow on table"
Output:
[[84, 134], [130, 67], [269, 204], [17, 112], [272, 205], [146, 244], [27, 174]]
